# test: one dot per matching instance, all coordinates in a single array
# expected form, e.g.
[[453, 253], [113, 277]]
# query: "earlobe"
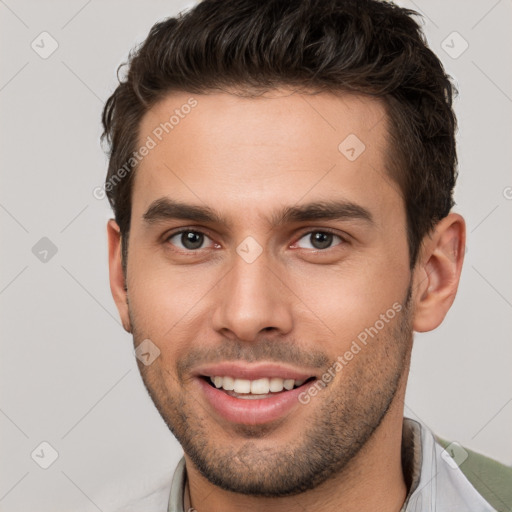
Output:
[[437, 273], [116, 274]]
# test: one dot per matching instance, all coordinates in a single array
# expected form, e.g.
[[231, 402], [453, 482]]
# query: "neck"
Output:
[[373, 480]]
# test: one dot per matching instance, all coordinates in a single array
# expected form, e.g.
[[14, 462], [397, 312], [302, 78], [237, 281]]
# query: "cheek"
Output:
[[343, 301], [164, 298]]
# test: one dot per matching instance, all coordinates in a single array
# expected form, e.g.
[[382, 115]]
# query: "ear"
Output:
[[117, 277], [437, 272]]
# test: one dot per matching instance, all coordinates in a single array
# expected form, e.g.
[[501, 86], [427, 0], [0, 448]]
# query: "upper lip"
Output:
[[251, 372]]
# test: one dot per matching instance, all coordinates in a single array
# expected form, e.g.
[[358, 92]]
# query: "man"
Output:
[[281, 174]]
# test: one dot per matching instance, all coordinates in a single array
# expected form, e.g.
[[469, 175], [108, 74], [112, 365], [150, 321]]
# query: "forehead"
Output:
[[238, 153]]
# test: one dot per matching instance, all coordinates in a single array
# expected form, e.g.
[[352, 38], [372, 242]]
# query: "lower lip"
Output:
[[251, 411]]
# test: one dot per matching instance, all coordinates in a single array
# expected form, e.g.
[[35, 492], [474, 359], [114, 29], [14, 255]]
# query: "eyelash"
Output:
[[343, 240], [302, 235]]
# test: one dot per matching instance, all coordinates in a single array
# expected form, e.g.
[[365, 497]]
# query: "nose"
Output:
[[253, 300]]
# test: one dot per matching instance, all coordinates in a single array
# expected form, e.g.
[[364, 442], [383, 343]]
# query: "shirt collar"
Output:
[[438, 484]]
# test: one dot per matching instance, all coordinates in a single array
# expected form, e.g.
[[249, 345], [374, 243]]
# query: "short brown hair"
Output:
[[367, 47]]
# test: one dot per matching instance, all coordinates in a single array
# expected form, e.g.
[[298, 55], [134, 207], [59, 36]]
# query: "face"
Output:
[[268, 248]]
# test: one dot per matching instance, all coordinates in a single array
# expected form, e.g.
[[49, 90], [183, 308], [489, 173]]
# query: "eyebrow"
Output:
[[164, 208]]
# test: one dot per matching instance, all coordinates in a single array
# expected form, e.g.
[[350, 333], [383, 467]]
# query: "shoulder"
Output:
[[489, 477]]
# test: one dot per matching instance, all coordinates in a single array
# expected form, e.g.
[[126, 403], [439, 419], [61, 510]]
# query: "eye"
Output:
[[318, 240], [189, 240]]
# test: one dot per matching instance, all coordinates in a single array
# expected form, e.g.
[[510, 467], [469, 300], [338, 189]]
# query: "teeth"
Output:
[[227, 383], [256, 387], [288, 384], [260, 387], [247, 396], [241, 385], [276, 384]]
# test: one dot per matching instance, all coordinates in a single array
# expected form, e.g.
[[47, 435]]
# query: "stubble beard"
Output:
[[348, 412]]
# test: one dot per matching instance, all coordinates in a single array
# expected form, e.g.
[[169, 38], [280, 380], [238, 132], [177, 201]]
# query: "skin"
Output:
[[247, 158]]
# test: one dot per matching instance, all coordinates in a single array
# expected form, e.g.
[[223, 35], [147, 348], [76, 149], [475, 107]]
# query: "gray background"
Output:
[[68, 374]]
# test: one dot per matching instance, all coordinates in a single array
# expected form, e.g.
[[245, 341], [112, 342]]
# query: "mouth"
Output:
[[253, 401], [257, 389]]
